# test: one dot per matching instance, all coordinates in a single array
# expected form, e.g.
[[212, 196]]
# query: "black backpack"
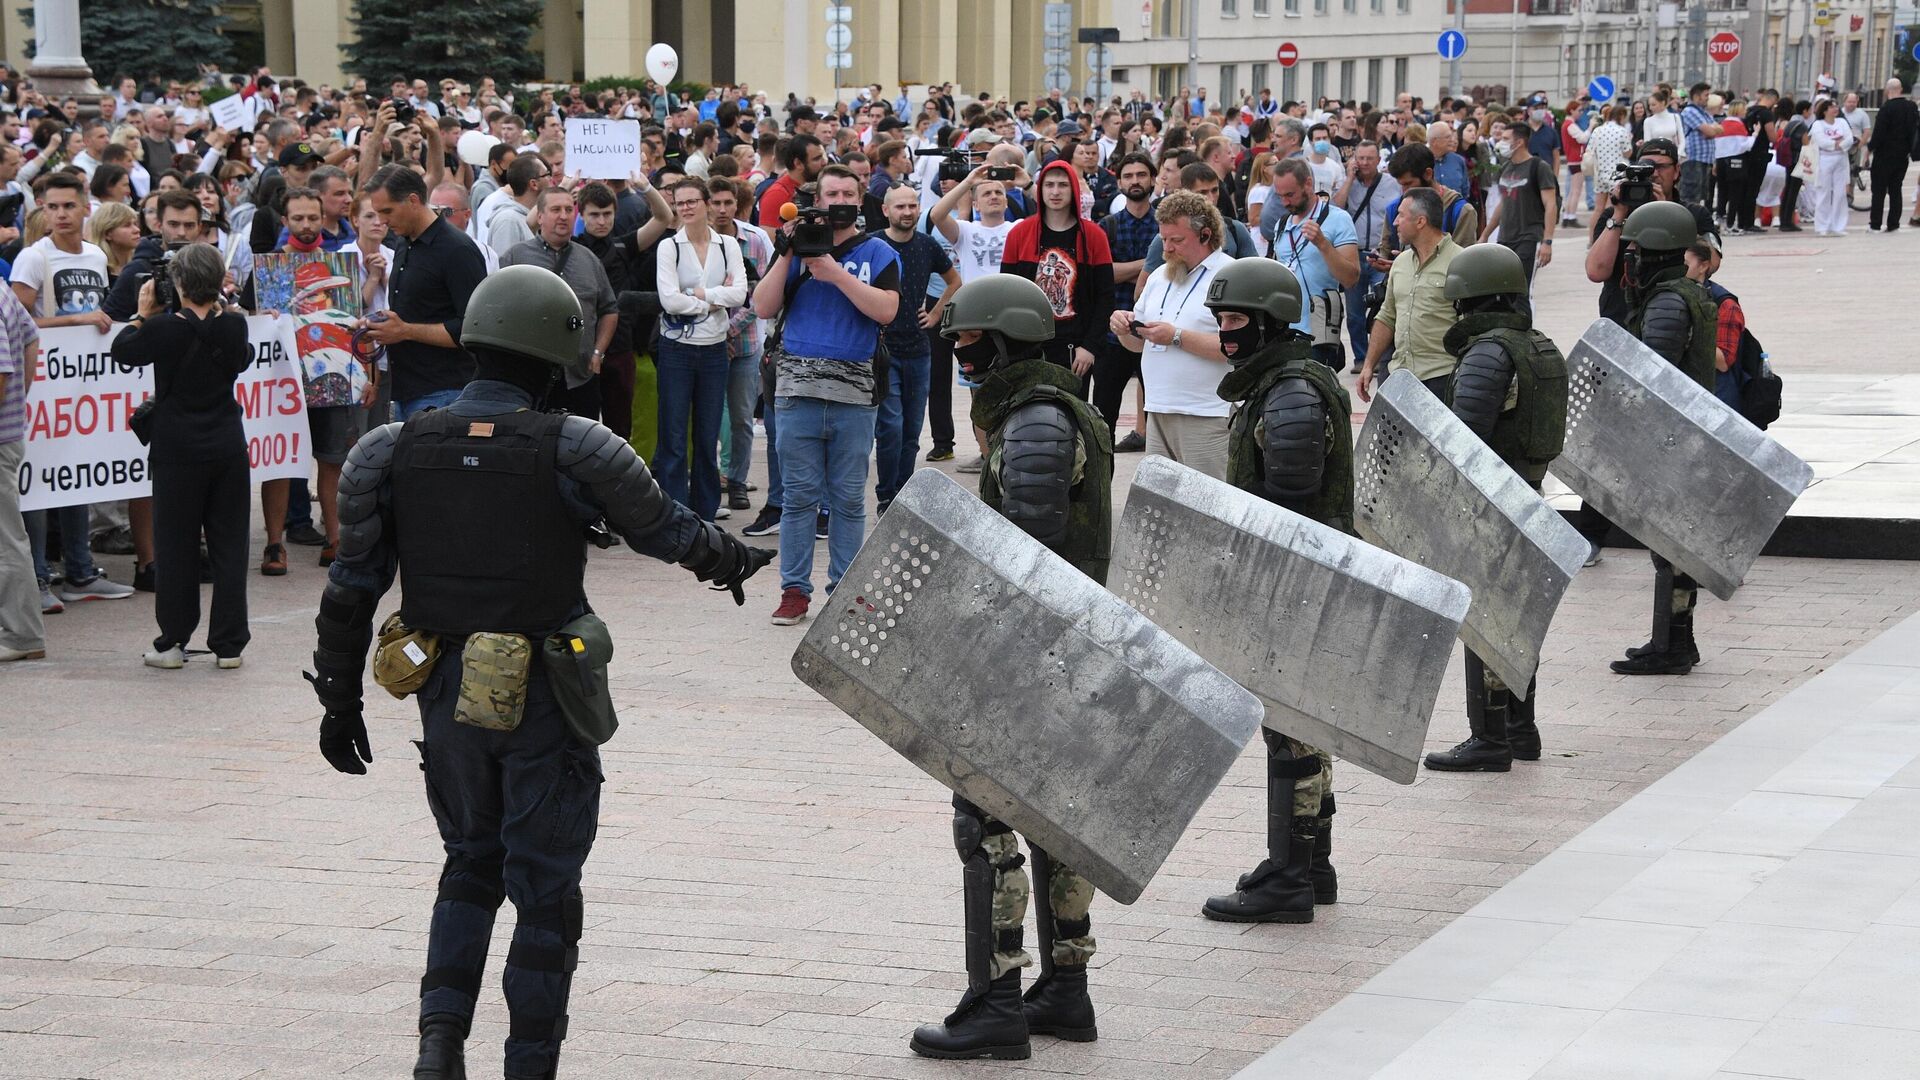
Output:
[[1760, 388]]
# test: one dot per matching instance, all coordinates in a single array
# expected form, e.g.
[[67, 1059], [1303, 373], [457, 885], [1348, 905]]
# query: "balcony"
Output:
[[1551, 7]]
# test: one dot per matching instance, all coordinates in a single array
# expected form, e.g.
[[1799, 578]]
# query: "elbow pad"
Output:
[[1480, 387], [1667, 327], [1293, 440], [624, 488], [1036, 470]]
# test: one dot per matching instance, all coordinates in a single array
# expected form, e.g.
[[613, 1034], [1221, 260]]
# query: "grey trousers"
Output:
[[20, 625]]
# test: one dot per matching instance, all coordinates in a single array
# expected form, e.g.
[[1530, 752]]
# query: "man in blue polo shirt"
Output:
[[1316, 240], [836, 305]]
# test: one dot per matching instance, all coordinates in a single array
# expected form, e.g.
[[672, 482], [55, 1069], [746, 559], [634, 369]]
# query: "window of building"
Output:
[[1373, 82], [1289, 84], [1319, 81], [1379, 6], [1399, 76], [1319, 7], [1229, 77], [1258, 80], [1293, 7], [1229, 9], [1262, 7], [1346, 79]]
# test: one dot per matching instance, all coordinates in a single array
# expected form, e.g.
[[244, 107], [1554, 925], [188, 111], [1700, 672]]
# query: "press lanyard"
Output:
[[1168, 291]]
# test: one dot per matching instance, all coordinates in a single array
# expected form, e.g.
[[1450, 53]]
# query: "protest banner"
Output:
[[232, 113], [79, 449], [603, 149]]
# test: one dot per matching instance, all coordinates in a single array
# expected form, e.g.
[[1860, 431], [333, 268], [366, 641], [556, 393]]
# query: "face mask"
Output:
[[842, 215], [1241, 344], [1500, 152], [978, 358], [1322, 147]]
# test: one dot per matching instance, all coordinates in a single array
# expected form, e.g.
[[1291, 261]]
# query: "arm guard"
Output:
[[1480, 386], [617, 482], [359, 576], [1293, 440], [1036, 470], [363, 482], [1667, 327], [345, 629]]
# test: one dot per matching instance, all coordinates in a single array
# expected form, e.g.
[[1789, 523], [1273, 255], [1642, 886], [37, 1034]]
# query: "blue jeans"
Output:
[[1357, 309], [299, 504], [823, 453], [412, 407], [770, 416], [693, 384], [75, 526], [896, 433], [743, 389]]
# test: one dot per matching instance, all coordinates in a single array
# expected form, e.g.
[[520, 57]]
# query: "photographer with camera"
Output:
[[832, 305], [180, 225], [1652, 177], [197, 447]]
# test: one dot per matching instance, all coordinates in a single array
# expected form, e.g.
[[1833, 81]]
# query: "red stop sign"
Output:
[[1723, 47], [1288, 55]]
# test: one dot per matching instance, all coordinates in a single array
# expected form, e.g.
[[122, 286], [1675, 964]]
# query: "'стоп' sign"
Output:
[[603, 149]]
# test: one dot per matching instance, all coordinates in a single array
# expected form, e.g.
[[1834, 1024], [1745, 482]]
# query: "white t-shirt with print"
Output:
[[1176, 380], [977, 252], [66, 283]]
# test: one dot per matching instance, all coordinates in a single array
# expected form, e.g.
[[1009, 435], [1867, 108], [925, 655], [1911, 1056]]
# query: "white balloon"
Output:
[[662, 63], [474, 147]]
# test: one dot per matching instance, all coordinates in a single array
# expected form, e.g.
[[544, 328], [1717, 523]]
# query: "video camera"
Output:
[[1633, 184], [812, 232], [955, 165]]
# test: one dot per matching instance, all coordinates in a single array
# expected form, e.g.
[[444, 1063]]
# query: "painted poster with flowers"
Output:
[[322, 292]]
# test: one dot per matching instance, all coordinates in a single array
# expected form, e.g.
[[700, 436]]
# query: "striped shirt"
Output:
[[17, 333]]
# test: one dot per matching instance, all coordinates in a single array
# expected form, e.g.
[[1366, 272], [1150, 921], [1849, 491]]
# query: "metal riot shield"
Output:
[[1670, 463], [1346, 644], [1426, 488], [1022, 684]]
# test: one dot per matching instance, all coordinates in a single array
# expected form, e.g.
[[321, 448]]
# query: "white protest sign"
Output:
[[232, 113], [79, 449], [603, 149]]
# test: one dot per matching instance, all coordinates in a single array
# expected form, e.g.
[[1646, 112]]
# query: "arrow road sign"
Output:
[[1600, 89], [1452, 44]]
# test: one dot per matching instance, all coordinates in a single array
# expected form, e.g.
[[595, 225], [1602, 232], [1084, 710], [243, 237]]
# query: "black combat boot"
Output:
[[1279, 889], [1326, 885], [989, 1025], [1058, 1005], [1523, 736], [1486, 747], [1679, 657], [443, 1048]]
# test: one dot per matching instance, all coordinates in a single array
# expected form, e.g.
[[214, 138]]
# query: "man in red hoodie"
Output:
[[1066, 254]]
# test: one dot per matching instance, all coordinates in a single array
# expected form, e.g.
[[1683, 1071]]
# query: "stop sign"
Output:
[[1723, 47], [1288, 55]]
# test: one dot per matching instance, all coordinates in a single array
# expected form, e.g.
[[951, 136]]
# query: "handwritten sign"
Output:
[[233, 113], [603, 149]]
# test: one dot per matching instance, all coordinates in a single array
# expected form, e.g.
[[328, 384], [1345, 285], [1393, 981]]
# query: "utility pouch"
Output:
[[576, 658], [493, 681], [403, 658]]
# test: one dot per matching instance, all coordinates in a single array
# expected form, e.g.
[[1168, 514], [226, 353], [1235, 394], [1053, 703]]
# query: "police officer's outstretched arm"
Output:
[[361, 574], [614, 478]]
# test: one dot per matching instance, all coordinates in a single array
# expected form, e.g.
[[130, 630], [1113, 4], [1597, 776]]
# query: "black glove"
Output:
[[725, 562], [343, 741]]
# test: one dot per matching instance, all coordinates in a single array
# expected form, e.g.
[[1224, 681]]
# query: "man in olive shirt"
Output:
[[1415, 317]]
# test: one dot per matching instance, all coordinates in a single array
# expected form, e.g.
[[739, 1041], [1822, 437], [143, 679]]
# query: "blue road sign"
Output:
[[1916, 50], [1600, 89], [1452, 44]]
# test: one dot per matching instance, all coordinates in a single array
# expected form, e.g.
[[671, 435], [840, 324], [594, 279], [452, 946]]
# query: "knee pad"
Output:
[[471, 881]]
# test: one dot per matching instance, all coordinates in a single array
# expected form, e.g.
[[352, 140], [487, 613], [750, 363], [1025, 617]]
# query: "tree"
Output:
[[168, 38], [435, 39]]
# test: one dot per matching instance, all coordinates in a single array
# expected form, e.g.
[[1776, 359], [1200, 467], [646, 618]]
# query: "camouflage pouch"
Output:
[[493, 681], [403, 658]]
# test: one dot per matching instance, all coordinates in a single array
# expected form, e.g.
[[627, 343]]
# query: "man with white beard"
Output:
[[1178, 340]]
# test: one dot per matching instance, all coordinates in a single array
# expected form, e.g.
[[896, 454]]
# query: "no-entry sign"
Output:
[[1723, 47], [1288, 54]]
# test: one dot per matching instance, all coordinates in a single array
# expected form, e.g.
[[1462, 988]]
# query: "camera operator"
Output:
[[180, 224], [831, 308], [1604, 264], [198, 451]]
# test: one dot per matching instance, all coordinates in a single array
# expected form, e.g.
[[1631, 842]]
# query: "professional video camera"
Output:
[[1633, 183]]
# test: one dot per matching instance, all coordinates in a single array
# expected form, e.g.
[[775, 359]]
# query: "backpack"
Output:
[[1760, 388]]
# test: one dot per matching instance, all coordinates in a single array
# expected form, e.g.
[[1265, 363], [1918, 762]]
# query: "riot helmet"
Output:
[[1487, 277], [1658, 235], [1264, 291], [1014, 318], [523, 327]]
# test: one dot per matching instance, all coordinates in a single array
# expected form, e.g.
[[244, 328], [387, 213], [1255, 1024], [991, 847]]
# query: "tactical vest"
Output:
[[1248, 386], [1699, 363], [1089, 543], [485, 541], [1532, 433]]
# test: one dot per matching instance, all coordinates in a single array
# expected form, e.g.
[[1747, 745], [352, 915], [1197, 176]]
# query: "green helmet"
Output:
[[1007, 303], [1660, 226], [1485, 270], [528, 311], [1256, 286]]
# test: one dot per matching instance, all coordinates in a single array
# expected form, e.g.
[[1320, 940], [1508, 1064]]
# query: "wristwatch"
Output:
[[1176, 338]]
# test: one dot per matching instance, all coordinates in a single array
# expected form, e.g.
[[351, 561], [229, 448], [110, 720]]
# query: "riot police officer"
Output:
[[1290, 441], [1049, 470], [1675, 317], [484, 507], [1511, 389]]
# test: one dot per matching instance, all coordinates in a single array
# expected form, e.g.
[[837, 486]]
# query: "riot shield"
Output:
[[1670, 463], [1021, 683], [1346, 644], [1426, 488]]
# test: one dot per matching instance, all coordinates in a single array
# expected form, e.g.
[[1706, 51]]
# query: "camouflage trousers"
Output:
[[1068, 898], [1311, 791]]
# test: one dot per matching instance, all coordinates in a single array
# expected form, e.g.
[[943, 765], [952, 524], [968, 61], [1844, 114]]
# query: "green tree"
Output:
[[435, 39], [167, 38]]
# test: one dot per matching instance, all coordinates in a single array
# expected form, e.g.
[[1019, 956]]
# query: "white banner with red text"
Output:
[[79, 448]]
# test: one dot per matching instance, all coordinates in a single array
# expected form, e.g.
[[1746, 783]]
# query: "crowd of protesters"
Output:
[[832, 359]]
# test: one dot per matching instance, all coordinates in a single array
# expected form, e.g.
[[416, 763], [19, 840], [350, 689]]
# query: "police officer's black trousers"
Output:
[[939, 389], [517, 813]]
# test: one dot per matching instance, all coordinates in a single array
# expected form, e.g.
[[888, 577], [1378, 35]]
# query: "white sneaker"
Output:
[[227, 663], [722, 514], [98, 587], [172, 659], [1593, 555], [50, 604], [8, 656]]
